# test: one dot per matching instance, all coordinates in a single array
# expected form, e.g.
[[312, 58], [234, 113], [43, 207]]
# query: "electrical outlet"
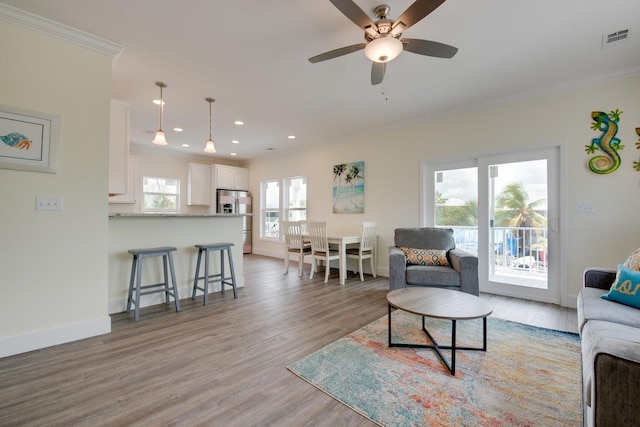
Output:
[[586, 207], [49, 203]]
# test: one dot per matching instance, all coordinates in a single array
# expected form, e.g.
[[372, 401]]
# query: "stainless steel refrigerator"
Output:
[[237, 202]]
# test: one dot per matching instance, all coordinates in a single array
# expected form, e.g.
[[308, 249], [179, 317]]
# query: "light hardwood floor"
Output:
[[223, 364]]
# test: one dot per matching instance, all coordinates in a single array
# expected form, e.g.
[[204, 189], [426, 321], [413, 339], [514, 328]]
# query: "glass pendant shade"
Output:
[[383, 49], [210, 148], [159, 138]]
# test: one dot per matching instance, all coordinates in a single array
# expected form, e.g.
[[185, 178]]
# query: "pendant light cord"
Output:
[[209, 120], [161, 107]]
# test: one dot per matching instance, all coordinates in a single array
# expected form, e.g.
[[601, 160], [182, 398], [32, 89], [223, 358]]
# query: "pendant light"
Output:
[[210, 148], [159, 138]]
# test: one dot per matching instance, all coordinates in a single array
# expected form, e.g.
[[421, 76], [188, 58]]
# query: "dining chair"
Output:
[[295, 244], [366, 249], [320, 250]]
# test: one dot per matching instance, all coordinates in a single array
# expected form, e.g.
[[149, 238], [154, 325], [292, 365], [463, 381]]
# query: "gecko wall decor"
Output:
[[607, 142], [636, 165]]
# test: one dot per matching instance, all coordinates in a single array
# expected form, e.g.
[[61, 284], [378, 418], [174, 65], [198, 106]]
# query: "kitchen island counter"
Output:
[[182, 231]]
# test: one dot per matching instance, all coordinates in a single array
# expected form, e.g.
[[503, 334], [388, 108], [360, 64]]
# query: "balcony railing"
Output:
[[516, 248]]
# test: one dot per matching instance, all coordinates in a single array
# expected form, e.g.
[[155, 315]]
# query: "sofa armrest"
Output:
[[611, 373], [601, 278], [466, 265], [397, 268], [616, 399]]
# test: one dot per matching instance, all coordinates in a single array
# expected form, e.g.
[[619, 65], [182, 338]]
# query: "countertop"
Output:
[[168, 215]]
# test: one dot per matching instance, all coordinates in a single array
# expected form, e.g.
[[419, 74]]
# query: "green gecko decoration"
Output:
[[636, 165], [607, 142]]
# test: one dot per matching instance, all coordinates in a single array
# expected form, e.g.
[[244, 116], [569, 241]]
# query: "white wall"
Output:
[[392, 171], [53, 265]]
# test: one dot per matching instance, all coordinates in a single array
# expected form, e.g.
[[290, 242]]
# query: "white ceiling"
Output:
[[251, 56]]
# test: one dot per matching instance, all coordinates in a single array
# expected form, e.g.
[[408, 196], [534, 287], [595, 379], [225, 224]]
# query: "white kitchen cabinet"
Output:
[[199, 185], [131, 194], [118, 147], [231, 177]]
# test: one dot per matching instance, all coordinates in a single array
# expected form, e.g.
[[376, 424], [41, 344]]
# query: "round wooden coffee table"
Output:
[[440, 304]]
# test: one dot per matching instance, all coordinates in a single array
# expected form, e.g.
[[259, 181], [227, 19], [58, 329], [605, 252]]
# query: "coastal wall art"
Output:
[[28, 140], [348, 188]]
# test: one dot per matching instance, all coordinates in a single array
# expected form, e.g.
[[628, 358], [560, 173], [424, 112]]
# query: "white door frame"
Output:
[[427, 194]]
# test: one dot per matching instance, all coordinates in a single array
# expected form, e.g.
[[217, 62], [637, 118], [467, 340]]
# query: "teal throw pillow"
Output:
[[626, 288]]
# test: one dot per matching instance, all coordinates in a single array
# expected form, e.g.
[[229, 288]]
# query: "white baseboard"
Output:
[[10, 346], [272, 254]]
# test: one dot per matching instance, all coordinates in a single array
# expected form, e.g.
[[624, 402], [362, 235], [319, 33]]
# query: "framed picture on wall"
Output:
[[28, 140], [348, 187]]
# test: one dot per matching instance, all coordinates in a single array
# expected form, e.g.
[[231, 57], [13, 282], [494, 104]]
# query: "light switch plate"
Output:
[[49, 203], [586, 207]]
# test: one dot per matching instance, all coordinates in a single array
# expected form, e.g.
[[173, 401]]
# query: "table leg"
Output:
[[389, 321], [451, 366], [342, 262]]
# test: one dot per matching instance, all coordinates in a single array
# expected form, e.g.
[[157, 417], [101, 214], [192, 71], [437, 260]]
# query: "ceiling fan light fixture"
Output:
[[159, 139], [209, 147], [383, 49]]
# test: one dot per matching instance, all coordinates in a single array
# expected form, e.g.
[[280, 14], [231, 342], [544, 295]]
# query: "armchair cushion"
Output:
[[425, 238], [419, 256]]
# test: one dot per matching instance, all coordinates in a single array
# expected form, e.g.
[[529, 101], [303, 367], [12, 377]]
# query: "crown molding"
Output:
[[60, 31]]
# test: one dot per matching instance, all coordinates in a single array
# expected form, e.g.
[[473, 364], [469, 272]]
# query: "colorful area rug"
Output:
[[529, 376]]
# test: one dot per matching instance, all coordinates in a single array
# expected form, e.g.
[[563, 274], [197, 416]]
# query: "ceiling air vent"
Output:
[[615, 38]]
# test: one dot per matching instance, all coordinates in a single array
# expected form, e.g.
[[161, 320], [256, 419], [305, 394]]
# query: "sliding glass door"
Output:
[[504, 209]]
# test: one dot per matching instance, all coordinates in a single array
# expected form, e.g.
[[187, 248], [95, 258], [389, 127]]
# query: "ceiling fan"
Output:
[[383, 36]]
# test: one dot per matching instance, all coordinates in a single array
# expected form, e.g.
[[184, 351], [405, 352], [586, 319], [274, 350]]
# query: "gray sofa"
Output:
[[461, 276], [610, 340]]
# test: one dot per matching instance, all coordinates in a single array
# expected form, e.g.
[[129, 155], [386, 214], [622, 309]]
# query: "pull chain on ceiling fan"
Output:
[[383, 36]]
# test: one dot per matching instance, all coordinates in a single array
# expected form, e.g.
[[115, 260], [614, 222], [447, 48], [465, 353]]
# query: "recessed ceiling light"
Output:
[[235, 141], [233, 154], [185, 145], [239, 122], [291, 137], [178, 129], [157, 102]]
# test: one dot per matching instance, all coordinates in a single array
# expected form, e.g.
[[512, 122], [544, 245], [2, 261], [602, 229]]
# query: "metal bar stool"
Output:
[[213, 278], [136, 278]]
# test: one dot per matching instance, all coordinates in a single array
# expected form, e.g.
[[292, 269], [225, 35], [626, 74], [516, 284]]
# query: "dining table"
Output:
[[342, 239]]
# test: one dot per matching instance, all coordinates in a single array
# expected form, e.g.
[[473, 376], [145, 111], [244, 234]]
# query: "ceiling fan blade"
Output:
[[337, 52], [429, 48], [377, 72], [418, 10], [353, 12]]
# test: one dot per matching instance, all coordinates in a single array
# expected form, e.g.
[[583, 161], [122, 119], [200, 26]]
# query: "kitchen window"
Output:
[[160, 195], [284, 199]]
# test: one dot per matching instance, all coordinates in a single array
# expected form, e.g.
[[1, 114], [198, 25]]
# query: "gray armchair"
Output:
[[462, 275]]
